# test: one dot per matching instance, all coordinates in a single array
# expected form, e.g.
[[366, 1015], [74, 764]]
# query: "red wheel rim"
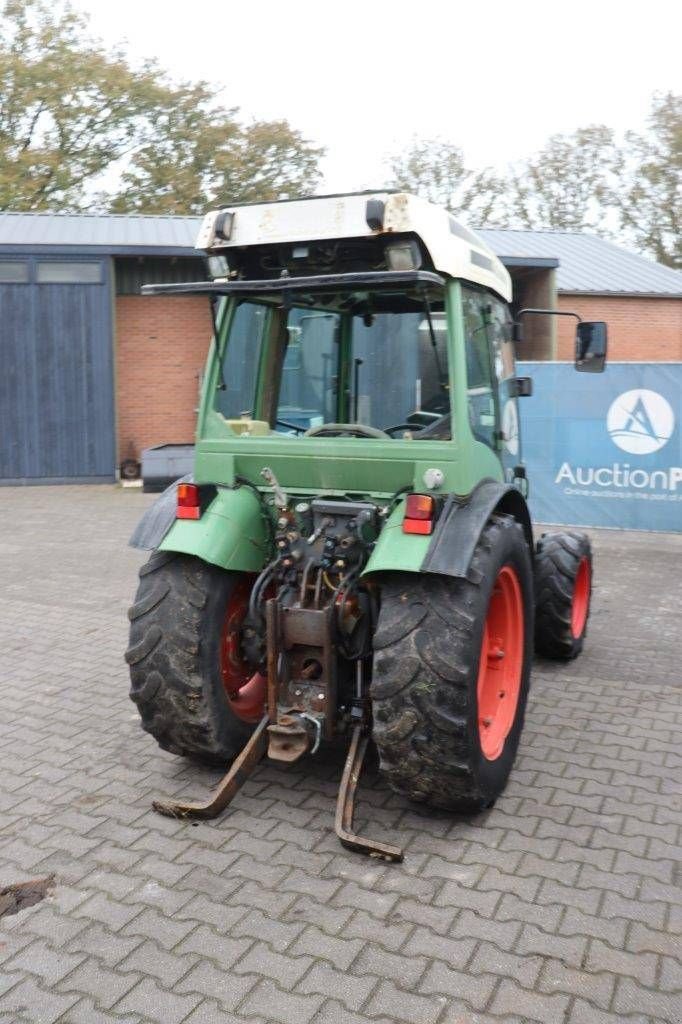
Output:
[[501, 663], [581, 598], [245, 690]]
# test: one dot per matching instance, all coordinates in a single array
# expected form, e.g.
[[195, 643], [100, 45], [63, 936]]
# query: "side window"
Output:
[[480, 380], [505, 372], [240, 362], [501, 339]]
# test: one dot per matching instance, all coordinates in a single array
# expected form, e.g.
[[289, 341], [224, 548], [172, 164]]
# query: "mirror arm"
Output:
[[550, 312]]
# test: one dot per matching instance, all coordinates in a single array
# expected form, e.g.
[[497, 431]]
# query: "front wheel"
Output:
[[563, 593], [451, 674], [194, 692]]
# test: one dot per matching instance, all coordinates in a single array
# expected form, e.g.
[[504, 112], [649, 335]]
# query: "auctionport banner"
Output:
[[604, 449]]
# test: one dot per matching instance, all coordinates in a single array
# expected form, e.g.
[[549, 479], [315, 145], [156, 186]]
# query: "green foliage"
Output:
[[202, 156], [76, 117], [68, 108], [432, 168], [436, 170], [582, 181], [650, 205], [567, 184]]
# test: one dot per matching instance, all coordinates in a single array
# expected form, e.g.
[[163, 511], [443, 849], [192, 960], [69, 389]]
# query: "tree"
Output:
[[586, 180], [567, 185], [435, 170], [650, 204], [68, 109], [75, 117], [200, 154]]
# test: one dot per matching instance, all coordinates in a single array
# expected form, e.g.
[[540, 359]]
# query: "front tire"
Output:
[[451, 674], [185, 670], [563, 593]]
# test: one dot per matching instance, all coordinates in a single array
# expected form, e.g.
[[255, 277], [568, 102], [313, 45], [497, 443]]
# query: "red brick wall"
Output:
[[161, 346], [639, 329]]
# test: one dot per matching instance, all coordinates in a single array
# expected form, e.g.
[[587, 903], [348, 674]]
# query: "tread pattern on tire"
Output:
[[557, 558], [423, 694], [172, 657]]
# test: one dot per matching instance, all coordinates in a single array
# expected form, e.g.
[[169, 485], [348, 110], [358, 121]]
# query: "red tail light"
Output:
[[189, 502], [419, 513]]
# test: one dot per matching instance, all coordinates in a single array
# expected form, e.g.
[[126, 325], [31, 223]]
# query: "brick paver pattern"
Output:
[[559, 905]]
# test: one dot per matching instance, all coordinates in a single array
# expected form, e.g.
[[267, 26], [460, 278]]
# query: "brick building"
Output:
[[94, 372], [640, 300]]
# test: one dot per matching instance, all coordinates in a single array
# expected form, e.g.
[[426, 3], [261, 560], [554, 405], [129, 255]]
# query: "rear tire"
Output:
[[431, 635], [563, 591], [176, 625]]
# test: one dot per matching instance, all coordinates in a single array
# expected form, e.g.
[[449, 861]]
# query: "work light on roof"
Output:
[[403, 255], [216, 227]]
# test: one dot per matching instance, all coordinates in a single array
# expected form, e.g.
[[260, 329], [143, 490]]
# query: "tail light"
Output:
[[419, 514], [189, 502]]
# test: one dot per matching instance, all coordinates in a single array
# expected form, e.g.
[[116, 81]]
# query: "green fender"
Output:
[[397, 551], [449, 549], [231, 533]]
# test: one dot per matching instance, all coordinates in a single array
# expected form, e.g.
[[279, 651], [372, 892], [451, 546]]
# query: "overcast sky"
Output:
[[362, 78]]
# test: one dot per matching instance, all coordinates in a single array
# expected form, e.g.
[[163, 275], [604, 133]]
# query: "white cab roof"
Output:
[[454, 249]]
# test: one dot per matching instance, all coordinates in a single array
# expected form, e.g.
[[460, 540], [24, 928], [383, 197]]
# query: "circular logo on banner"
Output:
[[510, 427], [640, 421]]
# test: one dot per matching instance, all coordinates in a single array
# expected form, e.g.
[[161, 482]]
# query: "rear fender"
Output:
[[158, 519], [449, 550], [232, 532]]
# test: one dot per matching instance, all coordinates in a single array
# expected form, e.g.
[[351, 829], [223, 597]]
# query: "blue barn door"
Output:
[[56, 376]]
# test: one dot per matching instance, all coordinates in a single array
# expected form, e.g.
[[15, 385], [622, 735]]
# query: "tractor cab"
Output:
[[358, 327], [369, 327]]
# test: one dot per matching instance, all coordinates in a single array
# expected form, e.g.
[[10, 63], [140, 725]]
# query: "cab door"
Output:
[[491, 377], [499, 324]]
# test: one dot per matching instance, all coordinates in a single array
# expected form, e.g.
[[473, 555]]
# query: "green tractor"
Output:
[[353, 554]]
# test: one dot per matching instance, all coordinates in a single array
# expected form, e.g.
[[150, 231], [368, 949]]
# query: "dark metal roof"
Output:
[[127, 234], [586, 264]]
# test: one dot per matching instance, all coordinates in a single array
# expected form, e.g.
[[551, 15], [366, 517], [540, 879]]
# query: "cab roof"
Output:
[[453, 248]]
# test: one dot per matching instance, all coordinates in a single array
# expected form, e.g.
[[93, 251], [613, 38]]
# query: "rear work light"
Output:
[[419, 514], [189, 502]]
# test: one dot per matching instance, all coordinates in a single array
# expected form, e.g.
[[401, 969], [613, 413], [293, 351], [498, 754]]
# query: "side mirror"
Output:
[[590, 347], [521, 387]]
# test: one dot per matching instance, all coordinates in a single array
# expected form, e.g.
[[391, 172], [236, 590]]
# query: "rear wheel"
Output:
[[563, 591], [195, 693], [451, 674]]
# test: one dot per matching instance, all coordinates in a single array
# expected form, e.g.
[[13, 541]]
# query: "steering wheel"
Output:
[[413, 427], [345, 429], [291, 426]]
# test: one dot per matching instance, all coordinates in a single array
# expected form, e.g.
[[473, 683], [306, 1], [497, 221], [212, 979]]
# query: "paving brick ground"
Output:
[[560, 905]]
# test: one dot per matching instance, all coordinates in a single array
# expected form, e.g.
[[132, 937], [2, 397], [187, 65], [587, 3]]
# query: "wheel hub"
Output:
[[245, 690], [500, 664], [581, 599]]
